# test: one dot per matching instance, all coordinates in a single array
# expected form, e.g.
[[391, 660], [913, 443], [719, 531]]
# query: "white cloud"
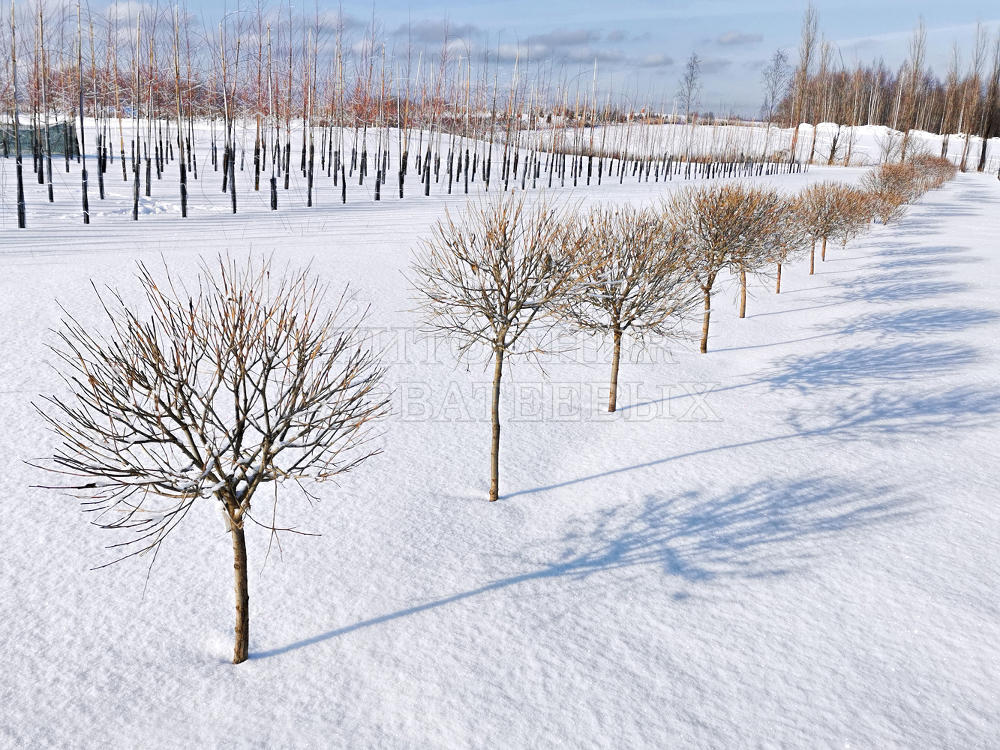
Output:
[[433, 32], [738, 38], [656, 60]]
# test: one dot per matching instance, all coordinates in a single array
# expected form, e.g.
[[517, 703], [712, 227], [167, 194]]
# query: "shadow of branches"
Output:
[[883, 290], [859, 417], [862, 364], [887, 414], [917, 321], [748, 532]]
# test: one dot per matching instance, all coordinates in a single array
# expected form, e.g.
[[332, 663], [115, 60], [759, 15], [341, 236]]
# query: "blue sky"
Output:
[[641, 45]]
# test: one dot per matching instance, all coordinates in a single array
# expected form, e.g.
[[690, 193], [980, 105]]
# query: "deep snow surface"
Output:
[[791, 541]]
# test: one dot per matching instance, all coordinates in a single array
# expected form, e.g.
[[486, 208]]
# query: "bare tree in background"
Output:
[[915, 71], [971, 94], [21, 210], [83, 144], [800, 84], [991, 104], [952, 99], [637, 283], [492, 274], [688, 91], [212, 394], [774, 79], [820, 97]]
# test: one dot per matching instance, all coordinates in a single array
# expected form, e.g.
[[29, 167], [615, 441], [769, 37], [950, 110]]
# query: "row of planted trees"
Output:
[[248, 379], [147, 92], [507, 270]]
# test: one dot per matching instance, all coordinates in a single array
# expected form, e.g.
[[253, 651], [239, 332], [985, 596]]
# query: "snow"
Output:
[[868, 143], [792, 541]]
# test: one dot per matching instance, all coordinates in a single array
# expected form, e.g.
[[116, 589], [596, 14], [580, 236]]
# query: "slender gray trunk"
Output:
[[743, 293], [495, 444], [21, 210], [615, 359], [704, 325], [241, 649]]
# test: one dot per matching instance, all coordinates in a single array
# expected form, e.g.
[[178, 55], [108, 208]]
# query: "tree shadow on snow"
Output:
[[915, 252], [898, 252], [906, 263], [916, 322], [876, 416], [857, 365], [763, 529], [884, 290], [862, 364], [908, 251]]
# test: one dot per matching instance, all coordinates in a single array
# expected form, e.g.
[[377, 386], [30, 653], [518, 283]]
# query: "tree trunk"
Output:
[[812, 259], [777, 286], [983, 146], [823, 254], [232, 177], [135, 189], [184, 189], [495, 444], [743, 294], [704, 324], [615, 359], [21, 207], [242, 645]]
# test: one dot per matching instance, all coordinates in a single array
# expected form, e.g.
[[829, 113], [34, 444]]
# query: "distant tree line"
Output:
[[821, 88]]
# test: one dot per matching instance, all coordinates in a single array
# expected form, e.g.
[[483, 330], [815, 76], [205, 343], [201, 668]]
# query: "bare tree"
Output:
[[933, 171], [245, 381], [637, 284], [775, 235], [783, 252], [890, 188], [726, 227], [490, 275], [991, 104], [829, 210], [888, 144], [972, 88], [800, 84], [83, 145], [21, 211], [689, 87], [688, 91], [915, 66], [774, 78], [952, 99], [821, 87]]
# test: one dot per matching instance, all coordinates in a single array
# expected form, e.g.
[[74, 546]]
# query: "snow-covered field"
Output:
[[791, 541], [867, 144]]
